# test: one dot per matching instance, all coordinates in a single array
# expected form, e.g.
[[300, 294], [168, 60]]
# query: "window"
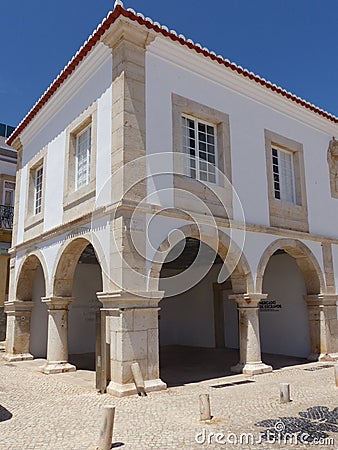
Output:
[[199, 144], [35, 194], [80, 164], [8, 193], [38, 180], [286, 182], [83, 156], [283, 175]]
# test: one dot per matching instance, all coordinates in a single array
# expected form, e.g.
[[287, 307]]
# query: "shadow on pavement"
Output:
[[5, 414], [117, 445], [182, 364]]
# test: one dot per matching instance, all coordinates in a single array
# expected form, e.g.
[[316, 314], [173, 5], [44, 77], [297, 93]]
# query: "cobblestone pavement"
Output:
[[63, 411]]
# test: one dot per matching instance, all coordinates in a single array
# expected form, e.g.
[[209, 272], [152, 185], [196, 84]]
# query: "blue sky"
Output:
[[292, 43]]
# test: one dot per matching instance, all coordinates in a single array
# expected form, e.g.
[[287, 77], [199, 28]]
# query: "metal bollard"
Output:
[[106, 433]]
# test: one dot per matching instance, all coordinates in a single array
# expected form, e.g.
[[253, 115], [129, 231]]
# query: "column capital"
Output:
[[18, 306], [248, 300], [127, 300], [57, 302], [321, 300]]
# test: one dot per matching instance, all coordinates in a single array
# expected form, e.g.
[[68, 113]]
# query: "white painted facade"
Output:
[[171, 68]]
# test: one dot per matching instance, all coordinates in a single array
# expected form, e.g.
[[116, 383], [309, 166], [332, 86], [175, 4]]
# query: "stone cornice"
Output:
[[125, 30], [108, 211]]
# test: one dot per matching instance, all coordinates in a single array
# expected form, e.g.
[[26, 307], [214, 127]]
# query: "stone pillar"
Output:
[[132, 333], [249, 339], [3, 292], [323, 324], [18, 330], [57, 345]]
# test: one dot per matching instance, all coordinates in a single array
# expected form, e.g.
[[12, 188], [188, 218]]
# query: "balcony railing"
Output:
[[6, 217]]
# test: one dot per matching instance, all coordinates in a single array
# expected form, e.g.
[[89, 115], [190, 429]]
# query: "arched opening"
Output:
[[31, 286], [198, 326], [79, 275], [288, 272]]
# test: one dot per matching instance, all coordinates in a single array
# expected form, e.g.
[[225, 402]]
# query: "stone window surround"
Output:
[[332, 160], [3, 178], [293, 216], [184, 106], [31, 219], [72, 196]]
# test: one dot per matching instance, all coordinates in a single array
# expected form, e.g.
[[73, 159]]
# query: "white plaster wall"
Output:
[[286, 330], [39, 318], [188, 318], [248, 119], [91, 82], [55, 165], [82, 312], [7, 168], [158, 229]]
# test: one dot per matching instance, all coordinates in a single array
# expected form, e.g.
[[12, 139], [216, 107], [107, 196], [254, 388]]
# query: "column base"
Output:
[[251, 368], [123, 390], [19, 357], [57, 367], [322, 357]]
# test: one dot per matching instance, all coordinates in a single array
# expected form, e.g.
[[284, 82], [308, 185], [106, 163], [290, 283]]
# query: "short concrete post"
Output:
[[285, 393], [138, 379], [205, 413], [106, 433], [336, 373]]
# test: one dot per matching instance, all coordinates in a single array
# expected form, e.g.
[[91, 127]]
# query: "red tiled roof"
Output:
[[139, 18]]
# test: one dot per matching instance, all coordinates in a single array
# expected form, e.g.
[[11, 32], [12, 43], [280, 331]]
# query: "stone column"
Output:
[[250, 347], [132, 333], [57, 345], [3, 291], [18, 330], [323, 324]]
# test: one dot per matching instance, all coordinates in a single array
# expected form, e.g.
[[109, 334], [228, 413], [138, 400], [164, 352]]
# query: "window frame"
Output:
[[74, 195], [198, 159], [33, 218], [283, 214], [280, 150], [6, 189], [202, 189], [88, 157], [38, 193]]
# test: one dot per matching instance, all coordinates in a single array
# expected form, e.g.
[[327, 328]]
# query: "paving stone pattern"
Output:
[[63, 412]]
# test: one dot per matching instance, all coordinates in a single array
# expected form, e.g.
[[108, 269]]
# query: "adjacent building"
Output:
[[8, 158], [190, 201]]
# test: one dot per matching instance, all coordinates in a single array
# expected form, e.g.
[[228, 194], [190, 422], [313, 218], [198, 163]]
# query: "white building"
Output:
[[144, 139], [8, 158]]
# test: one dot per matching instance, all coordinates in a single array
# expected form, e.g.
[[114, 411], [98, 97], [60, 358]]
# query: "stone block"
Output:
[[131, 346]]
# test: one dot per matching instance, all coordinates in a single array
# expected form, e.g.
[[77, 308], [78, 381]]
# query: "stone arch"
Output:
[[26, 274], [305, 259], [221, 243], [66, 262]]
